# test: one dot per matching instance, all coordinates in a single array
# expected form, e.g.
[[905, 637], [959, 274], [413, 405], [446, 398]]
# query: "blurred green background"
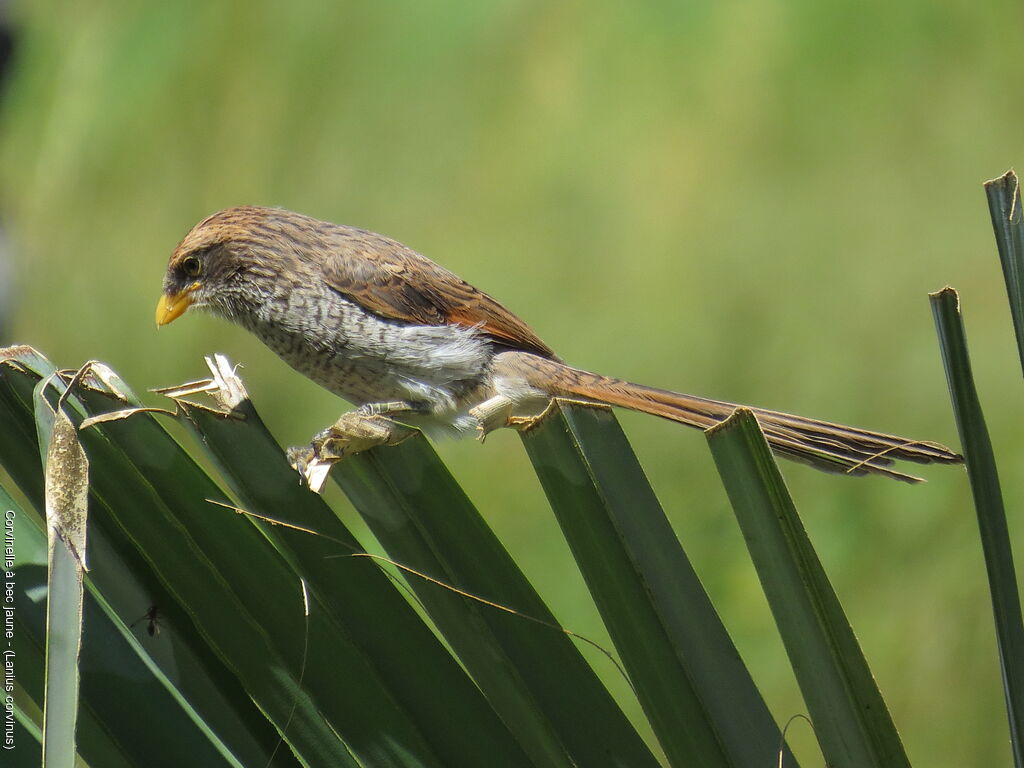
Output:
[[746, 200]]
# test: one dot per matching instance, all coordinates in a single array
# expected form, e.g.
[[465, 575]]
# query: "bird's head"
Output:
[[223, 258]]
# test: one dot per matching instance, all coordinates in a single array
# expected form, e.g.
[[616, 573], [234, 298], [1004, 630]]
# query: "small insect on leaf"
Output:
[[152, 619]]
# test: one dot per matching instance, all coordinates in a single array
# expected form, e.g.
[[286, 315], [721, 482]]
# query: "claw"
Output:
[[523, 423], [353, 433], [300, 457]]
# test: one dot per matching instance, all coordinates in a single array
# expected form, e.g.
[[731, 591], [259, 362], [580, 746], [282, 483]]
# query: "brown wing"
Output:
[[395, 282]]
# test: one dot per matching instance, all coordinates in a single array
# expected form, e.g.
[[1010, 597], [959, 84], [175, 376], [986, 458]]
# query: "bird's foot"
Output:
[[523, 423], [498, 412], [354, 432]]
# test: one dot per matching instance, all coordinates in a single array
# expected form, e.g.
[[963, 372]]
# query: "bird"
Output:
[[411, 344]]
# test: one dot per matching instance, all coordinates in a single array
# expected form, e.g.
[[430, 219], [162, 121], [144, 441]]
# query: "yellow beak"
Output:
[[172, 307]]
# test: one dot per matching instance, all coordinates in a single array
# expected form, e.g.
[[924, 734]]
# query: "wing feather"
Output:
[[397, 283]]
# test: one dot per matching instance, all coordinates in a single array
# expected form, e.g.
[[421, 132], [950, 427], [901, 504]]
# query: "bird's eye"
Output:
[[191, 266]]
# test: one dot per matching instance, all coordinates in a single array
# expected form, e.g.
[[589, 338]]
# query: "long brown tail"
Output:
[[825, 446]]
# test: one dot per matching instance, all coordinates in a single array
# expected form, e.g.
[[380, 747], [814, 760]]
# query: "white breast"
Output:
[[368, 359]]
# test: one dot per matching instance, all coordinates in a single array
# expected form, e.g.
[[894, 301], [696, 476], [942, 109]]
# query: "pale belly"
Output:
[[367, 359]]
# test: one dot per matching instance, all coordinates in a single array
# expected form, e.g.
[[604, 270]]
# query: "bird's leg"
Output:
[[499, 411], [393, 407], [354, 432], [493, 413], [365, 427]]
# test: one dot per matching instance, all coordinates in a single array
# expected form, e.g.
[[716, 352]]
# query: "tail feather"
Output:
[[826, 446]]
